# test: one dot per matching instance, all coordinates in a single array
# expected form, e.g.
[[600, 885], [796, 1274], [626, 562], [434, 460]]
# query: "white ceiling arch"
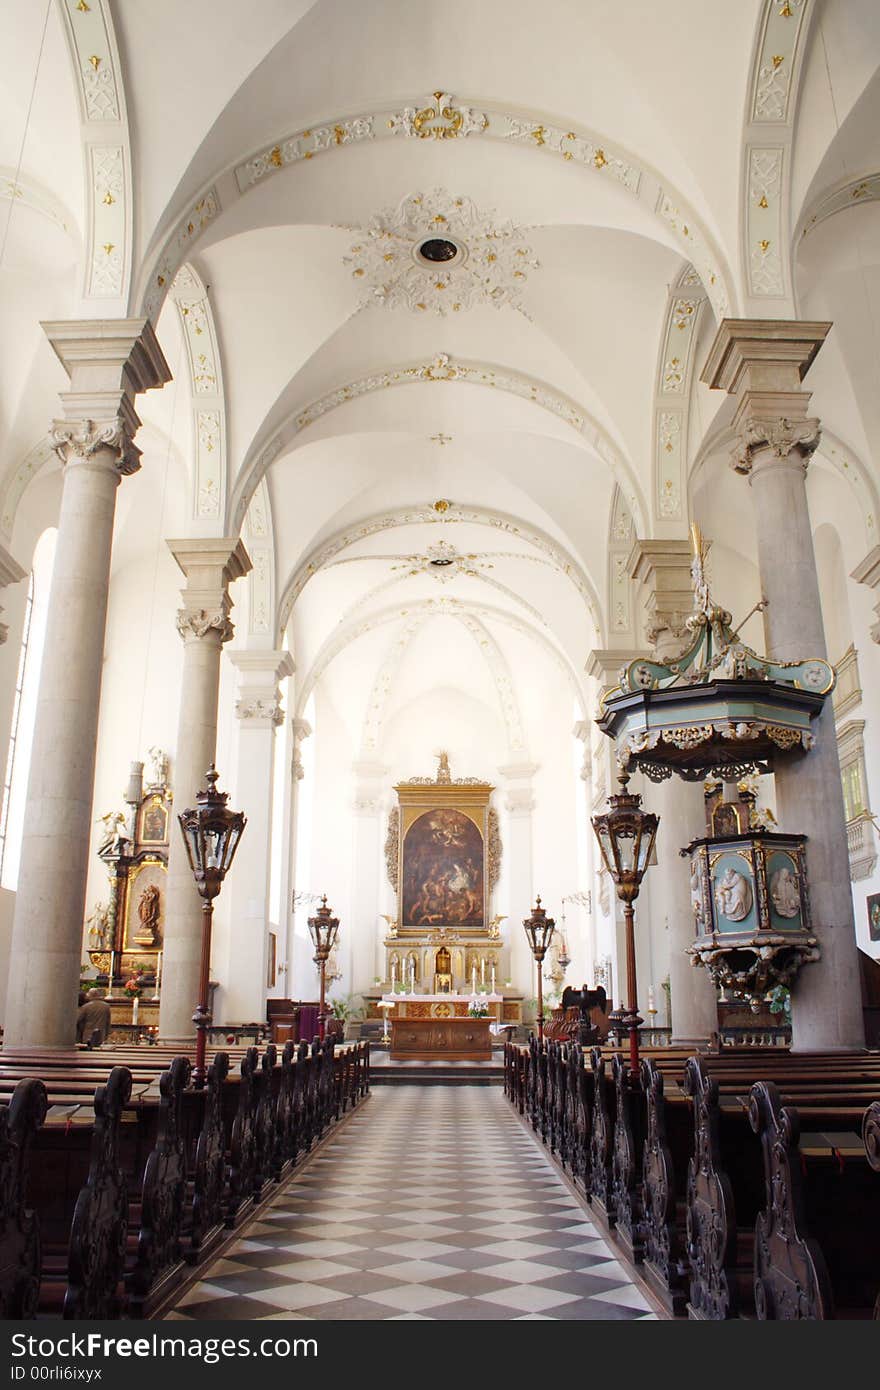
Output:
[[441, 116], [442, 368], [347, 633], [107, 165], [441, 512], [768, 136], [499, 669]]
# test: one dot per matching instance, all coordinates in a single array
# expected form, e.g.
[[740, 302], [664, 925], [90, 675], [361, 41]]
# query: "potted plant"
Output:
[[478, 1008]]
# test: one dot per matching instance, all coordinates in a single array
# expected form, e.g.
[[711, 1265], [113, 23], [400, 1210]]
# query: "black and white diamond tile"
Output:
[[431, 1203]]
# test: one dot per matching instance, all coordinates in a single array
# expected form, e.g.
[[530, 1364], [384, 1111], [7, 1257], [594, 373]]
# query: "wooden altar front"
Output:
[[451, 1039]]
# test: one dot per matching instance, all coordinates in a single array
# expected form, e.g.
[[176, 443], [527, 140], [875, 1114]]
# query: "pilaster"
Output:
[[663, 569]]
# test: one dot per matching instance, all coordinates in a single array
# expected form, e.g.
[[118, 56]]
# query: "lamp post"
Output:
[[323, 928], [211, 833], [539, 931], [626, 836]]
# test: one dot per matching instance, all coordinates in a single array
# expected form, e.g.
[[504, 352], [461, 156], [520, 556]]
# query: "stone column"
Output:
[[259, 713], [210, 566], [764, 361], [519, 802], [604, 666], [109, 363], [369, 799], [299, 962], [663, 568]]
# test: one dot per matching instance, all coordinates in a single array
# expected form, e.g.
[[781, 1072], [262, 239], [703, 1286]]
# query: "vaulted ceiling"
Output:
[[433, 282]]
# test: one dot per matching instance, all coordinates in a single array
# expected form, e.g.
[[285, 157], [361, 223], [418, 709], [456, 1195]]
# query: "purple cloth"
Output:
[[307, 1027]]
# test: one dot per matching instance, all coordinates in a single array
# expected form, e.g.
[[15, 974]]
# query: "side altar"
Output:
[[443, 857]]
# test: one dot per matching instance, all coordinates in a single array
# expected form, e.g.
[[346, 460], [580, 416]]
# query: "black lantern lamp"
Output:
[[539, 931], [626, 836], [211, 833], [323, 928]]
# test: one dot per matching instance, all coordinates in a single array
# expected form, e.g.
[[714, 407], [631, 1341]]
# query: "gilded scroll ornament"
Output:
[[493, 849], [392, 866]]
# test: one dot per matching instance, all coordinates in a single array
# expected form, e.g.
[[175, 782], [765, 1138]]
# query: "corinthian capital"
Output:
[[260, 707], [779, 435], [199, 622], [80, 440]]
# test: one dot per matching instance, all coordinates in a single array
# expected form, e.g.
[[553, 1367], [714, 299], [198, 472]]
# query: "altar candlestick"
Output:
[[651, 1008], [158, 974], [393, 974], [412, 976], [483, 973], [110, 973], [473, 979], [493, 979], [134, 1010]]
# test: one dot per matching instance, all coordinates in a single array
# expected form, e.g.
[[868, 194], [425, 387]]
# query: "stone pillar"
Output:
[[299, 962], [519, 802], [109, 363], [259, 713], [663, 568], [604, 666], [583, 961], [366, 865], [210, 566], [765, 362]]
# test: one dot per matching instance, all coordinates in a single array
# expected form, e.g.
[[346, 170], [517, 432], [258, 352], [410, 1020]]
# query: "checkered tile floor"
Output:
[[430, 1202]]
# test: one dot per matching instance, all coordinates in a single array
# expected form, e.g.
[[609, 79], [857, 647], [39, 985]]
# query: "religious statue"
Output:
[[99, 925], [392, 923], [114, 824], [495, 925], [696, 894], [785, 893], [149, 911], [156, 769], [733, 895], [443, 773]]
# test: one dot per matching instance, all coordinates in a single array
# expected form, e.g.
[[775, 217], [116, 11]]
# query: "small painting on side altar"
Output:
[[873, 905], [443, 871]]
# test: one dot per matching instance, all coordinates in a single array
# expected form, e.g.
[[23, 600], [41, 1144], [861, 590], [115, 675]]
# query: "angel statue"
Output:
[[495, 925], [113, 823], [392, 923]]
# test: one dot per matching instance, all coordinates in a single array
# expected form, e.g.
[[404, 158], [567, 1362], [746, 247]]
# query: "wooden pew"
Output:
[[19, 1228], [668, 1157], [189, 1164]]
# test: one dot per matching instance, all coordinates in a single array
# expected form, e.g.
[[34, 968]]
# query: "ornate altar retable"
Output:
[[443, 855]]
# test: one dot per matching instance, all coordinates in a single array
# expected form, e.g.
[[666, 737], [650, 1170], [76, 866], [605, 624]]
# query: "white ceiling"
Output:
[[556, 404]]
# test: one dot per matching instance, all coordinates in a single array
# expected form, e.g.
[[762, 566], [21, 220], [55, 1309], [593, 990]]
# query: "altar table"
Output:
[[451, 1039]]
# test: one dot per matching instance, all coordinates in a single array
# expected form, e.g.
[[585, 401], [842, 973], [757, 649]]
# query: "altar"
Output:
[[412, 1006], [453, 1039]]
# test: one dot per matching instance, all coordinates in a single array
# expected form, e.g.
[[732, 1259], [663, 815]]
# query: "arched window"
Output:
[[27, 684]]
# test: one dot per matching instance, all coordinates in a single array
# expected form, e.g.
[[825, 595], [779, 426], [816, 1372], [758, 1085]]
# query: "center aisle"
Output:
[[431, 1202]]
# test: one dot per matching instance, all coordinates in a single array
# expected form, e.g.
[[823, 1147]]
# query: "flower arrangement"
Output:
[[478, 1008], [132, 986]]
